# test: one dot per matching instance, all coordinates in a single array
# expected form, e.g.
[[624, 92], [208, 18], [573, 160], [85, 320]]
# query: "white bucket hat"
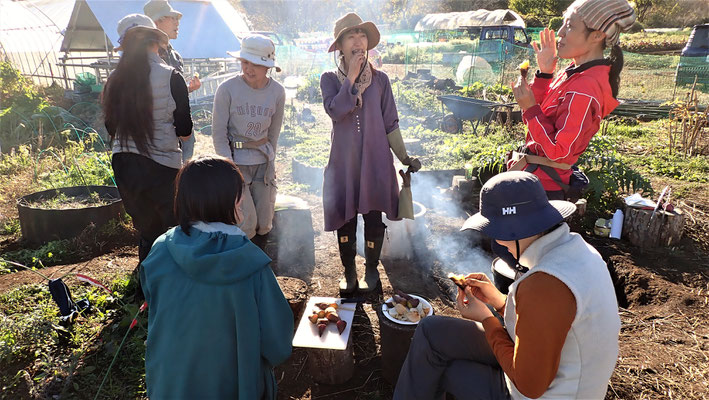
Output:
[[134, 22], [156, 9], [259, 50]]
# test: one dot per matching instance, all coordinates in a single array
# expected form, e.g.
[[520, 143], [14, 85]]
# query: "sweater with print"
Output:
[[568, 113], [244, 114]]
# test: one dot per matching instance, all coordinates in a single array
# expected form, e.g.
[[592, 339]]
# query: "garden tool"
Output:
[[347, 243], [373, 240]]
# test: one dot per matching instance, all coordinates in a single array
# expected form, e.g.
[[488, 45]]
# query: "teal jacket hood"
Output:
[[210, 252], [218, 321]]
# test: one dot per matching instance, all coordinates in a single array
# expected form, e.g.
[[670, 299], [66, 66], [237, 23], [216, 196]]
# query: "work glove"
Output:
[[406, 202], [396, 143]]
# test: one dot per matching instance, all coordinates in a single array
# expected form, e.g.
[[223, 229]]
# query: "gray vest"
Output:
[[165, 148]]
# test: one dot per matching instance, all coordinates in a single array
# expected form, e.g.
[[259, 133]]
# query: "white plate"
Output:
[[385, 310]]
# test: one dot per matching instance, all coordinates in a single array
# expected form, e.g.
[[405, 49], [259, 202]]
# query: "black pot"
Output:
[[43, 225]]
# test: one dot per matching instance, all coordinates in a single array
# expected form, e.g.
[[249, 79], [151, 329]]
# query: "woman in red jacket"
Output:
[[564, 113]]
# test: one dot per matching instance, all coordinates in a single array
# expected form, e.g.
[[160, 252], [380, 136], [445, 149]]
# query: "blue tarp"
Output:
[[208, 29]]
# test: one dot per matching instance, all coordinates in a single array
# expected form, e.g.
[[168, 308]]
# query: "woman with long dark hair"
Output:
[[147, 112], [562, 114]]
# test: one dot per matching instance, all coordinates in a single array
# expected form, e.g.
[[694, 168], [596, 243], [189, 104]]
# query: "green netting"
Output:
[[690, 69], [86, 79]]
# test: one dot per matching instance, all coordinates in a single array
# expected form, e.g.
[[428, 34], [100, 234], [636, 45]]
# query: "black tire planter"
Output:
[[43, 225]]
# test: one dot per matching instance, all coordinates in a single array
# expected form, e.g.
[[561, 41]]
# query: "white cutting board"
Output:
[[307, 333]]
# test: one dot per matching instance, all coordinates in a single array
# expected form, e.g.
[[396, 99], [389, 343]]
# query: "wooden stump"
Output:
[[292, 241], [644, 230], [296, 292], [395, 341], [331, 367]]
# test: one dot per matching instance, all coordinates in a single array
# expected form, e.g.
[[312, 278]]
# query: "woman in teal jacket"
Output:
[[218, 322]]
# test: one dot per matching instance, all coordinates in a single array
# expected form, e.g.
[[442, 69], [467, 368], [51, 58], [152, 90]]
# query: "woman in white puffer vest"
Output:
[[560, 334]]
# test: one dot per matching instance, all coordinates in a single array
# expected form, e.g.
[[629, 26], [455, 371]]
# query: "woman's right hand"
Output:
[[484, 290], [355, 66], [546, 51]]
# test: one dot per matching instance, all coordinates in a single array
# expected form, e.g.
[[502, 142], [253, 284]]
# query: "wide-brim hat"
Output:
[[133, 23], [353, 21], [514, 206], [259, 50], [156, 9]]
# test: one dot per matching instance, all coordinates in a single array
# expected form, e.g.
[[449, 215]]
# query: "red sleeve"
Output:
[[540, 88], [575, 120], [545, 309]]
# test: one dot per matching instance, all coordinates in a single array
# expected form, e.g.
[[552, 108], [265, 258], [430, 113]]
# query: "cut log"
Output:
[[395, 341], [331, 367], [291, 243], [296, 292], [644, 230]]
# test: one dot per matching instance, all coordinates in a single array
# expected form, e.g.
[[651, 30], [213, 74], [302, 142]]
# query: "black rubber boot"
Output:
[[347, 243], [373, 240]]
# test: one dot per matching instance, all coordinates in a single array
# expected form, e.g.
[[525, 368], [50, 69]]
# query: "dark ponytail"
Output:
[[616, 67]]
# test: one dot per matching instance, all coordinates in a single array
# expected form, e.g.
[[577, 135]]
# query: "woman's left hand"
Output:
[[474, 309], [523, 94]]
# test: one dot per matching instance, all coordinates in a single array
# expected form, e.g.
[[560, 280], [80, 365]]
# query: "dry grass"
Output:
[[665, 356]]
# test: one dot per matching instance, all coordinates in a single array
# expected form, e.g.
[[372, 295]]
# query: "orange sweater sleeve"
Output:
[[545, 309]]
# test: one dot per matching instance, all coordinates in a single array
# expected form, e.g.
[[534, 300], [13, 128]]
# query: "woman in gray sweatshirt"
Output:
[[246, 123]]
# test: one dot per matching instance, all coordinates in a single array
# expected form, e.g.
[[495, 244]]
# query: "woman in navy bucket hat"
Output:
[[561, 324]]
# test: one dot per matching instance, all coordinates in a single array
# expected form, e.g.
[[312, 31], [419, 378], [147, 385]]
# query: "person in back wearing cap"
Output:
[[147, 113], [563, 114], [167, 19], [246, 121], [360, 177], [560, 334]]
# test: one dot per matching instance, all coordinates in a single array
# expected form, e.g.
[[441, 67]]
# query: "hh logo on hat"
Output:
[[509, 210]]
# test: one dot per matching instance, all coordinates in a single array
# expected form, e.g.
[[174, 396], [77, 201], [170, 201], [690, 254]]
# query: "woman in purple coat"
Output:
[[360, 176]]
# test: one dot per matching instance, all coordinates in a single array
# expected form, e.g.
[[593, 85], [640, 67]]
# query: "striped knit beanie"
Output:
[[608, 16]]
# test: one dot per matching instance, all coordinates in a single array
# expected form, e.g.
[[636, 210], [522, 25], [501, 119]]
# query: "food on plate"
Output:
[[341, 326], [333, 317], [324, 314], [459, 280], [524, 68], [404, 307], [321, 329]]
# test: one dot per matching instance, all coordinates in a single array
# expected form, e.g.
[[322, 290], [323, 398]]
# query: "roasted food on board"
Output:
[[325, 314], [524, 68], [404, 307]]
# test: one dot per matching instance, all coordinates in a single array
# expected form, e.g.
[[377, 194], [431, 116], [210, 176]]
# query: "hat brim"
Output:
[[253, 59], [522, 226], [369, 28], [162, 36], [171, 13]]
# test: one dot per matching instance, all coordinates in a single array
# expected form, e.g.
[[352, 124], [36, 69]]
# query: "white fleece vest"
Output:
[[591, 348], [165, 147]]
